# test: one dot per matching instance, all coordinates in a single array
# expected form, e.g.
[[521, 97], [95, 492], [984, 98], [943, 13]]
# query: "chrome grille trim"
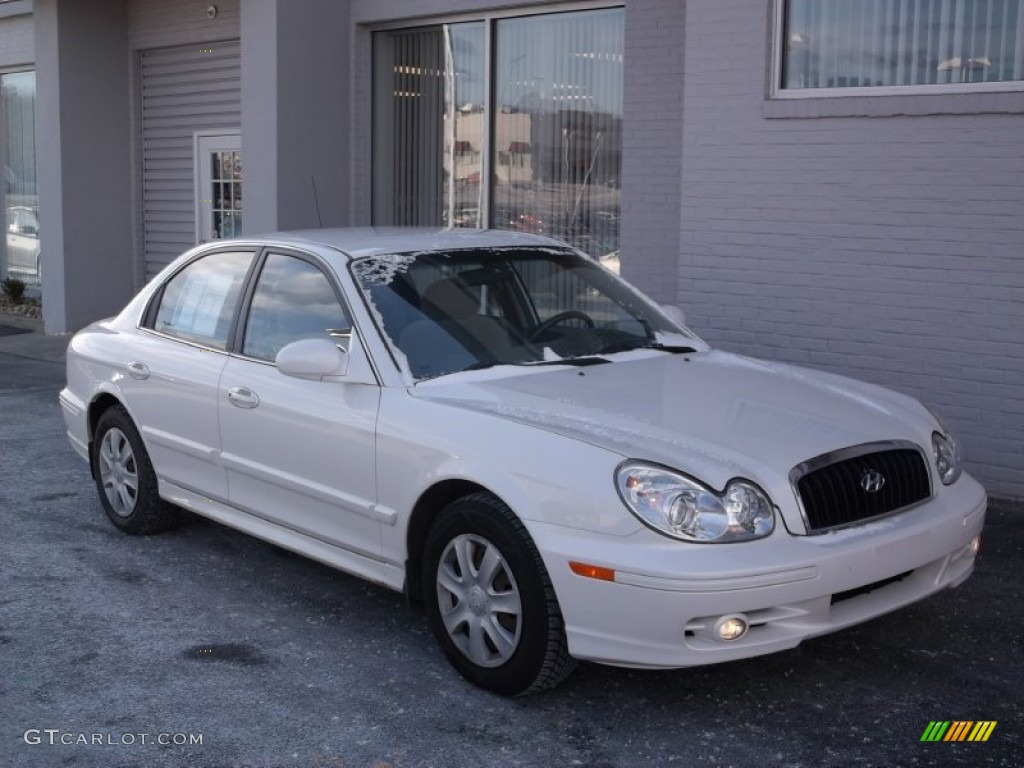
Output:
[[852, 452]]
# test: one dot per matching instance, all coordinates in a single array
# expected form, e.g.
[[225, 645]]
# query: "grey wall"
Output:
[[652, 145], [84, 168], [295, 113], [162, 23], [890, 248]]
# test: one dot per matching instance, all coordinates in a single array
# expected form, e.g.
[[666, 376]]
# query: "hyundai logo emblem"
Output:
[[872, 481]]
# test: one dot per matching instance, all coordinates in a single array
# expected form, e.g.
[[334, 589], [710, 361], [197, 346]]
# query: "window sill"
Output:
[[896, 105]]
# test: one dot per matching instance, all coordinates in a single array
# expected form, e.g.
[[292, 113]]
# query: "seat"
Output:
[[457, 311]]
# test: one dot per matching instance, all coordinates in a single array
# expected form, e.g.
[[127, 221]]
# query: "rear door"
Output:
[[172, 369]]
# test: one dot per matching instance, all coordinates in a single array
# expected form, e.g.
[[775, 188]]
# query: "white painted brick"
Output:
[[890, 249]]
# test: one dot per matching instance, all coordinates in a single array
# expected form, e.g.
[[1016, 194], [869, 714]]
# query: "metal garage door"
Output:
[[185, 90]]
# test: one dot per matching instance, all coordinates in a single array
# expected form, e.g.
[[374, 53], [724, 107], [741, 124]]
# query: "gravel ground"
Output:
[[278, 661]]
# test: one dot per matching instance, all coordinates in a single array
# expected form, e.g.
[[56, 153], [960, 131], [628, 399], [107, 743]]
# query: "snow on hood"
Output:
[[713, 415]]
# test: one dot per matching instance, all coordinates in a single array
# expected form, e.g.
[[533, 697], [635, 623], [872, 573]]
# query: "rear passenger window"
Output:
[[199, 302], [293, 300]]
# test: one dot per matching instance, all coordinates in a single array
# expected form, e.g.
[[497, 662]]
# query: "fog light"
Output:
[[975, 546], [729, 628]]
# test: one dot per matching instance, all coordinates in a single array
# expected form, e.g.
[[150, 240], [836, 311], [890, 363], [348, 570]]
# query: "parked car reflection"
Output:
[[23, 242]]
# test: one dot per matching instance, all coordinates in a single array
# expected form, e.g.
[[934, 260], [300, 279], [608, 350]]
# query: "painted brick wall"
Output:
[[886, 248], [17, 41], [652, 145]]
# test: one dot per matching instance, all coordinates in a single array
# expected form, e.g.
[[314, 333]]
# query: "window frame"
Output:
[[777, 31]]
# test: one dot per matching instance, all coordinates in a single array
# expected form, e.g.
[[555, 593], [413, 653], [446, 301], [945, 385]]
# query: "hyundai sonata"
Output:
[[552, 465]]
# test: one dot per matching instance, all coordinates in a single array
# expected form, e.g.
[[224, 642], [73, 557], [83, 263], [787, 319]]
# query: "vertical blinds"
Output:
[[417, 107], [18, 102], [902, 42]]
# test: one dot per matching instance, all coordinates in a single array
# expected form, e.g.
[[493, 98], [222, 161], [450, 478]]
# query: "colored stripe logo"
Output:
[[958, 730]]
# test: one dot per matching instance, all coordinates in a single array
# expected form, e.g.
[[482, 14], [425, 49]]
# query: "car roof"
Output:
[[357, 242]]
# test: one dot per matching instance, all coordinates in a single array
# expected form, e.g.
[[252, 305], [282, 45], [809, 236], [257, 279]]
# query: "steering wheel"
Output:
[[561, 317]]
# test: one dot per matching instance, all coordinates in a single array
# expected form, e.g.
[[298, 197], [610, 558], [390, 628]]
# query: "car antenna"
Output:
[[316, 202]]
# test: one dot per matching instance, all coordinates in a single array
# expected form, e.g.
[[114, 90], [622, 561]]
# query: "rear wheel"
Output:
[[490, 600], [125, 478]]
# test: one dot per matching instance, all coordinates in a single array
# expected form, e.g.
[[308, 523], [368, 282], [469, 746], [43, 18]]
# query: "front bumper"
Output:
[[76, 420], [667, 595]]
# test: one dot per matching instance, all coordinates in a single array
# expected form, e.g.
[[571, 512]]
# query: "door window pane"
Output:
[[293, 300], [199, 302], [902, 42], [226, 179]]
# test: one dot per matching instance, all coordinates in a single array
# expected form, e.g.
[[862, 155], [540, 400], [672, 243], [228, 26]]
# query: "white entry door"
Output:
[[218, 174]]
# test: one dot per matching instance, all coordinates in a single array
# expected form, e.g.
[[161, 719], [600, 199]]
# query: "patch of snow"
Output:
[[381, 269]]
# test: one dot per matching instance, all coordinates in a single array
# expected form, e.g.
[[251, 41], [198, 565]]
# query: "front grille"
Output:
[[839, 489]]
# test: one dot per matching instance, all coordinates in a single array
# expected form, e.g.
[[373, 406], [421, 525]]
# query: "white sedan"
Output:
[[552, 465]]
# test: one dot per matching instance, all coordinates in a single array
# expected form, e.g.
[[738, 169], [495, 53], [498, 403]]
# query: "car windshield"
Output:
[[467, 309]]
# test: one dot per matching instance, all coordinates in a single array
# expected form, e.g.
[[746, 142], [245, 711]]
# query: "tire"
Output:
[[125, 478], [501, 628]]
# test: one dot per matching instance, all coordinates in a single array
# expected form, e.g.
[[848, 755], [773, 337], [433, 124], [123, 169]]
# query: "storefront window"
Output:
[[547, 136], [21, 256], [895, 43]]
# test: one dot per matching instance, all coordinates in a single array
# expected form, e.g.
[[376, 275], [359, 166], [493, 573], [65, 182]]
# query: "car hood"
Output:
[[713, 415]]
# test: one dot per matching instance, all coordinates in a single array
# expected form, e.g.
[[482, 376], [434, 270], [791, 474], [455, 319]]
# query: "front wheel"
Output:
[[490, 601], [125, 478]]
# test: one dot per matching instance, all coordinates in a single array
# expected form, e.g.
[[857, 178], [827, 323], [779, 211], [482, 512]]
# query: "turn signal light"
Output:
[[592, 571]]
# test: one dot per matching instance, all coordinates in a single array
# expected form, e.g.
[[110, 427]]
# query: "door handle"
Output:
[[138, 370], [243, 398]]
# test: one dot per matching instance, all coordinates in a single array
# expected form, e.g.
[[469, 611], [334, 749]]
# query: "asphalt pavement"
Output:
[[206, 647]]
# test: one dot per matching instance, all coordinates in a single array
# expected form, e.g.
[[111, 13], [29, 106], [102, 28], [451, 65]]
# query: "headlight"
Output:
[[947, 457], [946, 451], [680, 507]]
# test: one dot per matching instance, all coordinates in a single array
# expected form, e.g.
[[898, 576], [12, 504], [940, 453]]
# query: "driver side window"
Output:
[[293, 300]]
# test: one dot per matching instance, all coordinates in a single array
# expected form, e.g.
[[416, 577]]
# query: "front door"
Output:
[[218, 173], [299, 453]]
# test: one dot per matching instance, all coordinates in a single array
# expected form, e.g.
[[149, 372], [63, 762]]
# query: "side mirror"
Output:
[[675, 314], [323, 359], [312, 359]]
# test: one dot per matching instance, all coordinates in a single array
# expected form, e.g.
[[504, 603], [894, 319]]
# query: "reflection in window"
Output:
[[552, 140], [429, 111], [198, 304], [902, 42], [293, 300], [21, 201]]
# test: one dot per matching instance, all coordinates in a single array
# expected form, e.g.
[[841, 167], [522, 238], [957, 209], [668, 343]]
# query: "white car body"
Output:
[[338, 470]]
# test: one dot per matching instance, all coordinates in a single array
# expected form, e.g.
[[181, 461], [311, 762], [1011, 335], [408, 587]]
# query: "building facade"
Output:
[[839, 185]]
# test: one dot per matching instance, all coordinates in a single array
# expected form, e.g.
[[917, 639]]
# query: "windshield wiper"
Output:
[[627, 347], [577, 361], [676, 349]]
